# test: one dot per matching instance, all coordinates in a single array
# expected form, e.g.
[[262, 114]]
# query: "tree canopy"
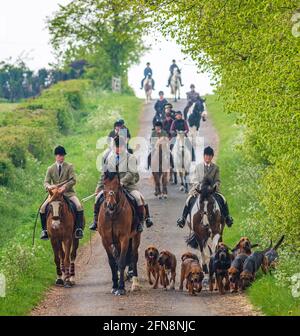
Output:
[[107, 33]]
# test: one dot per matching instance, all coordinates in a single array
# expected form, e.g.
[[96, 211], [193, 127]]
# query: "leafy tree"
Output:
[[106, 33]]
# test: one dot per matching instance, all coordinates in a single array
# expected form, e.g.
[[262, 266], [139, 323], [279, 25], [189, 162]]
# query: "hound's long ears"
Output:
[[279, 243]]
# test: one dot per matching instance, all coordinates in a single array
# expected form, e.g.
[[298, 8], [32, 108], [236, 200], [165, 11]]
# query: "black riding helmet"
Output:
[[59, 150], [117, 123], [209, 151], [192, 86], [158, 124], [161, 93]]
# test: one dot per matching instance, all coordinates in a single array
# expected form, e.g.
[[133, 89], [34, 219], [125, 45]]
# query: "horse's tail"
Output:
[[192, 241]]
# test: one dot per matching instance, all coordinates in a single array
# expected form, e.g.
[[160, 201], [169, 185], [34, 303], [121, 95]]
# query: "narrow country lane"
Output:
[[91, 295]]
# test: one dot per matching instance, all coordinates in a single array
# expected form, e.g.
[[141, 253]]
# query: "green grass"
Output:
[[239, 184], [30, 271]]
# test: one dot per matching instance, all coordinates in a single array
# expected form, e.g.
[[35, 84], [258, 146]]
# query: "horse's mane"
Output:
[[206, 186]]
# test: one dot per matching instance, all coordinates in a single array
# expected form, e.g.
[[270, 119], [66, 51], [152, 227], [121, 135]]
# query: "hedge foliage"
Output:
[[31, 128]]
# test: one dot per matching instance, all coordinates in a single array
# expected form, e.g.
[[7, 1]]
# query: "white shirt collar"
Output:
[[59, 164]]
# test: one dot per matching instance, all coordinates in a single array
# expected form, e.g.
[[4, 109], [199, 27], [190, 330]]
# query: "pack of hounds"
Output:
[[229, 269]]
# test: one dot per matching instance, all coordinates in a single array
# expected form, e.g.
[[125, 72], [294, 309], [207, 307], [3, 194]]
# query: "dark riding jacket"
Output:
[[147, 72], [160, 105], [179, 125], [172, 67]]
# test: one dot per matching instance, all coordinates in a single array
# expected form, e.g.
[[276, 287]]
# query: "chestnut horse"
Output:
[[60, 227], [117, 230], [160, 165]]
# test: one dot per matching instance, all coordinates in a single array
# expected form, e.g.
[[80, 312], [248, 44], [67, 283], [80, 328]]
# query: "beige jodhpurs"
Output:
[[74, 199]]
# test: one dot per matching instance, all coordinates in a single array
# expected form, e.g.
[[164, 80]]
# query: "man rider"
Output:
[[156, 134], [120, 130], [119, 157], [210, 170], [174, 66], [167, 123], [192, 97], [59, 172], [148, 72], [169, 109]]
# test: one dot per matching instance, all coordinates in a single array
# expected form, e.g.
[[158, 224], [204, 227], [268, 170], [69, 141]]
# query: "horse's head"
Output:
[[55, 206], [207, 201], [111, 191]]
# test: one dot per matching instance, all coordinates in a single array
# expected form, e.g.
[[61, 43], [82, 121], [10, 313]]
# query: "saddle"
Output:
[[133, 205]]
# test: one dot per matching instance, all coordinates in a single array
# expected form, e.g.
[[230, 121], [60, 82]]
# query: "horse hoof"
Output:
[[59, 282], [67, 284], [181, 188], [114, 290], [160, 197], [165, 196], [120, 292]]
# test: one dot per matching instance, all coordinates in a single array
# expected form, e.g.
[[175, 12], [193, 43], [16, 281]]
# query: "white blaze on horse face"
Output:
[[205, 212], [55, 213]]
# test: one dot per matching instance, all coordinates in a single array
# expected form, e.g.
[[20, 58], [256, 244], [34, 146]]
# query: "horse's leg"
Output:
[[67, 248], [181, 181], [124, 244], [73, 258], [113, 266], [56, 250], [136, 240], [186, 187], [165, 182], [175, 178]]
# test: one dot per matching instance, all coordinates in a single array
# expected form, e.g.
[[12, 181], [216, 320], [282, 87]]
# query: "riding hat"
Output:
[[59, 150], [121, 121], [148, 63], [118, 123], [192, 86], [174, 61], [158, 124], [168, 105], [178, 112], [161, 93], [209, 151]]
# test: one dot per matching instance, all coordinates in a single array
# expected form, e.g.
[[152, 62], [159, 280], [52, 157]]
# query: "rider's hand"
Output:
[[62, 189]]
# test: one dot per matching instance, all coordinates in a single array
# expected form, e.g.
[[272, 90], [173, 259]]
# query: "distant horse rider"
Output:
[[59, 172], [148, 72], [120, 130], [192, 97], [174, 66], [181, 125], [204, 170], [159, 109], [119, 157]]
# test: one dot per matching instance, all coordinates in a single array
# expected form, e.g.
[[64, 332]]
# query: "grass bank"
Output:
[[73, 114], [274, 294]]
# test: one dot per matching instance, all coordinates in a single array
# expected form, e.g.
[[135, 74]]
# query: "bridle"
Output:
[[115, 203]]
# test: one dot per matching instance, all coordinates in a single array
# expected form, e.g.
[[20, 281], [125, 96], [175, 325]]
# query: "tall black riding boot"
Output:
[[140, 225], [44, 234], [181, 220], [79, 225], [149, 221], [93, 226]]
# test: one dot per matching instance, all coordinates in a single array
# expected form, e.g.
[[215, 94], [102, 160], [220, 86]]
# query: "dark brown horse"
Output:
[[207, 223], [60, 227], [117, 230], [160, 164]]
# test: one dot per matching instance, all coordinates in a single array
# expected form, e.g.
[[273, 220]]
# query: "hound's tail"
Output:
[[279, 243]]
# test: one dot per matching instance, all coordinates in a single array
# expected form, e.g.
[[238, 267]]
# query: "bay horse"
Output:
[[160, 165], [119, 237], [182, 157], [148, 89], [175, 84], [206, 222], [60, 227]]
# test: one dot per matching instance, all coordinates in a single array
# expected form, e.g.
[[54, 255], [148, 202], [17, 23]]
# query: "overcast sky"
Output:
[[22, 30]]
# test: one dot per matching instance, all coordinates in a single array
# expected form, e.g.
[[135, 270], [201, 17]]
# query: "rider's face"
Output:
[[178, 116], [208, 158], [59, 158], [119, 150]]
